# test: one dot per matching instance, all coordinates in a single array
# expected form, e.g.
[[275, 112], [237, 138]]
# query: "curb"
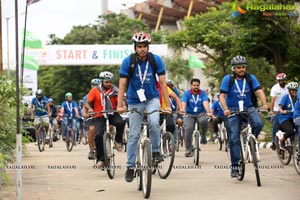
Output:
[[266, 145]]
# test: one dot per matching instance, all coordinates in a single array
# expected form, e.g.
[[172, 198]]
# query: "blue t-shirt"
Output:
[[69, 108], [216, 107], [298, 93], [40, 108], [234, 95], [297, 109], [194, 102], [135, 81], [79, 110], [286, 104]]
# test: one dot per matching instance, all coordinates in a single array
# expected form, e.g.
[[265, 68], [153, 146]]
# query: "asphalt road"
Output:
[[56, 174]]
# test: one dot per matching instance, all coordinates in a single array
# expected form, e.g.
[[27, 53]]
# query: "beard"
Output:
[[282, 84]]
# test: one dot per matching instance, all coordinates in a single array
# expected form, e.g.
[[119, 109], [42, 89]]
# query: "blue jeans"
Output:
[[135, 121], [65, 124], [275, 126], [233, 126]]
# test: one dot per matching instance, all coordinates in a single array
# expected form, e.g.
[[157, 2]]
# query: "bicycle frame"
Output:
[[247, 133]]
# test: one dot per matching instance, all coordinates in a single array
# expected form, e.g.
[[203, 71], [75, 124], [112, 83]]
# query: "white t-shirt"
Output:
[[278, 92]]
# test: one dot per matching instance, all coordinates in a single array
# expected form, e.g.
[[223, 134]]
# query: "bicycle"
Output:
[[70, 137], [126, 133], [83, 132], [296, 152], [249, 148], [180, 137], [222, 137], [41, 139], [167, 149], [143, 171]]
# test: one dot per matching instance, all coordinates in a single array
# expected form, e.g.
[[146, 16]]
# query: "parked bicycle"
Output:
[[167, 149], [249, 148]]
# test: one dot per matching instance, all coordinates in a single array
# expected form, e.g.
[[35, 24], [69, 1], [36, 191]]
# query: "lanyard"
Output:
[[238, 87], [70, 107], [39, 103], [220, 105], [291, 102], [143, 78], [196, 100]]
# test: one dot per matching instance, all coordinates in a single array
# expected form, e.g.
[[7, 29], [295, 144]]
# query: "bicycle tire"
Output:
[[165, 167], [70, 139], [196, 147], [109, 157], [296, 153], [220, 144], [83, 137], [241, 168], [253, 152], [41, 139], [284, 156], [138, 175], [51, 137], [146, 166]]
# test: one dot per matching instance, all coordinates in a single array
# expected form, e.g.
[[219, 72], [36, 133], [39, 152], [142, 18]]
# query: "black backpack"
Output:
[[133, 61], [249, 81]]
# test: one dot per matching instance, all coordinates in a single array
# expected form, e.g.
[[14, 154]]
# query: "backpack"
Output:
[[249, 81], [133, 61]]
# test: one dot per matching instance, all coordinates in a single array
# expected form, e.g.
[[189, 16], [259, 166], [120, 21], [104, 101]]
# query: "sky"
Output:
[[51, 16]]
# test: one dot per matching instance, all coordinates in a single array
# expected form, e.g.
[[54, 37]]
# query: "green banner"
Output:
[[195, 62], [31, 41], [30, 63]]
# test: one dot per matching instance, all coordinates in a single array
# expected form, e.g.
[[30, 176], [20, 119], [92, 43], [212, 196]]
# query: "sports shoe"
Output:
[[36, 143], [188, 154], [157, 157], [91, 155], [129, 174], [234, 173], [118, 146], [273, 146]]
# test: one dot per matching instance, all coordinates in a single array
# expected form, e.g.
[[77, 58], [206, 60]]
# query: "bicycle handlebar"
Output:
[[232, 113]]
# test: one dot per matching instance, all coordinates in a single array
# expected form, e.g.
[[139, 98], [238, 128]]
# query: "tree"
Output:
[[270, 43]]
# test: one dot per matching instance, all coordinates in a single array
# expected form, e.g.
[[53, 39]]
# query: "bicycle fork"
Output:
[[256, 148]]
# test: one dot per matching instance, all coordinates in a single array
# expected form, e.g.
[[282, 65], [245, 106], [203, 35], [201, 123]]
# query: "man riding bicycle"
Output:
[[285, 118], [218, 115], [237, 97], [69, 110], [52, 118], [104, 98], [195, 103], [40, 110], [142, 93]]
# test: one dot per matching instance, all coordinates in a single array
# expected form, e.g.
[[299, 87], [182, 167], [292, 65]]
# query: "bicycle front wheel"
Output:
[[70, 139], [51, 137], [284, 156], [296, 154], [168, 153], [41, 139], [254, 152], [196, 147], [109, 157], [219, 141], [146, 165]]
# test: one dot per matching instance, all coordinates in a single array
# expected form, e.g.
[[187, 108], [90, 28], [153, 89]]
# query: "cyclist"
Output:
[[40, 108], [195, 103], [104, 97], [79, 121], [142, 94], [218, 115], [90, 123], [237, 97], [69, 109], [285, 118], [52, 119], [296, 116], [277, 92]]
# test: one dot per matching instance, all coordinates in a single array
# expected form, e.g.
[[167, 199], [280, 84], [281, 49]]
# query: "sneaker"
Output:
[[188, 154], [204, 142], [91, 155], [118, 147], [234, 173], [64, 138], [157, 157], [129, 174], [273, 146], [36, 143]]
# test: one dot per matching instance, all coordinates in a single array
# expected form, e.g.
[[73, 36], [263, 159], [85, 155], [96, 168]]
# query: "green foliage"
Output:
[[270, 43]]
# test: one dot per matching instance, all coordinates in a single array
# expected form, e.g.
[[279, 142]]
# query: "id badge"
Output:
[[241, 105], [141, 95], [195, 109]]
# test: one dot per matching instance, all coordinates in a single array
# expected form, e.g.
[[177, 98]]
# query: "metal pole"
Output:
[[7, 38], [18, 120]]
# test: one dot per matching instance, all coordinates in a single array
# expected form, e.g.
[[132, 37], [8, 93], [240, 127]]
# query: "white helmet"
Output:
[[106, 75], [292, 86]]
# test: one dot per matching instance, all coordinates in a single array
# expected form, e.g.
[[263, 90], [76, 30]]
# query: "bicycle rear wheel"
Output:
[[146, 169], [41, 139], [50, 137], [219, 141], [109, 156], [83, 137], [296, 154], [284, 156], [168, 147], [254, 152], [196, 147], [70, 139]]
